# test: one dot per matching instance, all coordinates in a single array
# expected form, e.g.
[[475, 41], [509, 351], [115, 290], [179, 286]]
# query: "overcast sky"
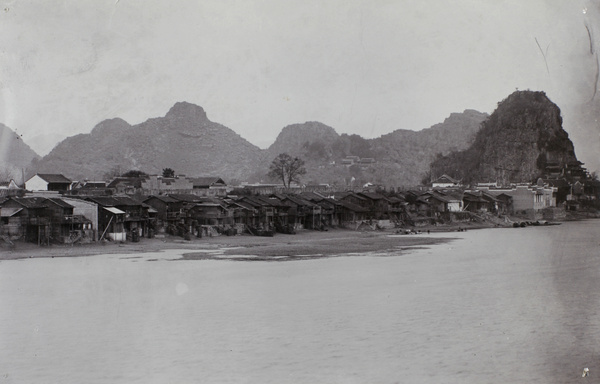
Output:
[[365, 67]]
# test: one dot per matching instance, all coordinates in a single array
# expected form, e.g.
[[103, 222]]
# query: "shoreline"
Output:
[[303, 245]]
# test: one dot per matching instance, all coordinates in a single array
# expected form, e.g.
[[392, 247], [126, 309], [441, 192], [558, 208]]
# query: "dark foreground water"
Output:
[[495, 306]]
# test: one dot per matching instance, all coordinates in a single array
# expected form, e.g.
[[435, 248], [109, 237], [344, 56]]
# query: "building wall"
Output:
[[549, 198], [111, 223], [59, 186], [529, 197], [36, 183], [159, 205], [523, 198], [442, 185], [13, 227], [117, 236], [455, 206], [154, 185]]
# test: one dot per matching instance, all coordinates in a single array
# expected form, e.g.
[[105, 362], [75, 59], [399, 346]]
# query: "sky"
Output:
[[362, 67]]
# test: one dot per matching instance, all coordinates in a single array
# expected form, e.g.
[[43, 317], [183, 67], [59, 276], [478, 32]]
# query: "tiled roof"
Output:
[[343, 195], [113, 201], [60, 202], [8, 212], [54, 178], [114, 210], [445, 198], [273, 202], [244, 205], [298, 201], [94, 184], [474, 197], [351, 206], [206, 181], [373, 196], [312, 196], [251, 201], [394, 199], [445, 179], [163, 198], [186, 197], [326, 203], [130, 181], [30, 202], [557, 183]]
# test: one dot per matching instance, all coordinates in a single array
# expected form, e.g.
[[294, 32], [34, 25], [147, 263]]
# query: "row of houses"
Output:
[[42, 219], [45, 217], [50, 217], [276, 211], [545, 193], [56, 209], [573, 187], [145, 184]]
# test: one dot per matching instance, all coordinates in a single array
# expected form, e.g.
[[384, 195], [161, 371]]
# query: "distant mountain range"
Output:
[[400, 158], [188, 142], [184, 140]]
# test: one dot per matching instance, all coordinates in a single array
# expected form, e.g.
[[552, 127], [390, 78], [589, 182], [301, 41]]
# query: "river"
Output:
[[493, 306]]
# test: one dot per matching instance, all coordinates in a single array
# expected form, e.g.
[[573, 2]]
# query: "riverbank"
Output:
[[314, 243], [304, 244]]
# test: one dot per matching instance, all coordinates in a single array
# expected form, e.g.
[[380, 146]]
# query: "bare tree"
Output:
[[287, 169], [7, 174]]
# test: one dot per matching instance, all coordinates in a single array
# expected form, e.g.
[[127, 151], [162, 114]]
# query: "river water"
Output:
[[493, 306]]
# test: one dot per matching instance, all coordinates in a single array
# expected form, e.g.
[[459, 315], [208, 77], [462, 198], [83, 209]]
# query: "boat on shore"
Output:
[[536, 223]]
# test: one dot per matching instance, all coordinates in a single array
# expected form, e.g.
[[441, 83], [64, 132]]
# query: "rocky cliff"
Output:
[[515, 144], [410, 153]]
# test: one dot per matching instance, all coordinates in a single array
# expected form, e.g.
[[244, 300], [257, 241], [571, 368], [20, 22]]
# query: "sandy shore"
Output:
[[303, 244]]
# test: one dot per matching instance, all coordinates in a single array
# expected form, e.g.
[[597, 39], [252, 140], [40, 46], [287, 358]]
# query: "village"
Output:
[[52, 209]]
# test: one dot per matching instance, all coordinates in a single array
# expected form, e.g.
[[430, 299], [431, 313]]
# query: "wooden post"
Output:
[[106, 229]]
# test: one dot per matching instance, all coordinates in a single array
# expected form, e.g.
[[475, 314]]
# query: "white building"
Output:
[[445, 181], [48, 182]]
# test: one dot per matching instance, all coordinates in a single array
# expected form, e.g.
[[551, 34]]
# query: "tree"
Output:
[[134, 173], [112, 173], [286, 169], [168, 173], [426, 180]]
